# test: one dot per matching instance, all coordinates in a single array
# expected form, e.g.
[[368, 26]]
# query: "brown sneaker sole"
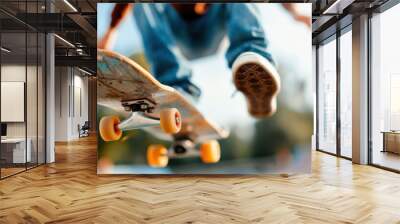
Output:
[[259, 87]]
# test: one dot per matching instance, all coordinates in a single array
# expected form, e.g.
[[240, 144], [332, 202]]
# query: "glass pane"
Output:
[[327, 97], [41, 98], [31, 98], [13, 86], [346, 94], [23, 87], [386, 89]]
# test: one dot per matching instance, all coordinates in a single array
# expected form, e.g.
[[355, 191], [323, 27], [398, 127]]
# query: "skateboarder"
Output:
[[174, 33]]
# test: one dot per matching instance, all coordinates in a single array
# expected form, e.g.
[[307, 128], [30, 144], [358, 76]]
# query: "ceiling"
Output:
[[75, 21], [332, 15]]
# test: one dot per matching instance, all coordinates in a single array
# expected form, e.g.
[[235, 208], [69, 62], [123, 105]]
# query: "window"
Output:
[[346, 75], [22, 77], [327, 97], [385, 89]]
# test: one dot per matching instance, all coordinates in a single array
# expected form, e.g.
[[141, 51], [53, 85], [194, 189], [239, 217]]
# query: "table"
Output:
[[391, 141], [15, 148]]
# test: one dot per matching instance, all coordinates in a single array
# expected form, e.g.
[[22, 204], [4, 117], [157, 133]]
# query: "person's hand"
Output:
[[107, 41], [293, 11], [119, 12], [303, 19]]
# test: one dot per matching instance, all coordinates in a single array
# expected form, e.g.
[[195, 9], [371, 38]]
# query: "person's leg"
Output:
[[245, 32], [252, 65], [167, 63], [200, 37]]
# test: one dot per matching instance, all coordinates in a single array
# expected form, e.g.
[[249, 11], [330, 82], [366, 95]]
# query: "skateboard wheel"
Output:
[[157, 156], [108, 128], [210, 151], [170, 120]]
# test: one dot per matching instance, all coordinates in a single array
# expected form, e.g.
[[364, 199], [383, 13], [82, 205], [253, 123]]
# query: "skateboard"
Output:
[[127, 88]]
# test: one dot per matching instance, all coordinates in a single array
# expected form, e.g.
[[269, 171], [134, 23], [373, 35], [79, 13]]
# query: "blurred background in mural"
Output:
[[280, 144]]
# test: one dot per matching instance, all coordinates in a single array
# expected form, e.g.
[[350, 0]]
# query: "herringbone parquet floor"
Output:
[[69, 191]]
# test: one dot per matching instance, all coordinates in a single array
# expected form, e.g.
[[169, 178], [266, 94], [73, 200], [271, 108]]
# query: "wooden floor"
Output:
[[387, 159], [69, 191], [5, 172]]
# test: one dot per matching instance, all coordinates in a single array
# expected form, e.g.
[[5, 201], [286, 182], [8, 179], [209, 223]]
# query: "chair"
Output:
[[84, 130]]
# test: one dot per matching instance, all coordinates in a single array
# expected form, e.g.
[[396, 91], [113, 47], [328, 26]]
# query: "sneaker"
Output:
[[259, 81]]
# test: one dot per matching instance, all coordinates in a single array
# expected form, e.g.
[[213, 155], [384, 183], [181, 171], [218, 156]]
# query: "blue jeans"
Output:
[[169, 40]]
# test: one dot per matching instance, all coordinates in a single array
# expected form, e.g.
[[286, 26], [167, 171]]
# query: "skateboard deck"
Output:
[[121, 80]]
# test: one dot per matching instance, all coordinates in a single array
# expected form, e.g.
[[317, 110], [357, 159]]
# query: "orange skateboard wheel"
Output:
[[108, 128], [170, 120], [157, 156], [210, 151]]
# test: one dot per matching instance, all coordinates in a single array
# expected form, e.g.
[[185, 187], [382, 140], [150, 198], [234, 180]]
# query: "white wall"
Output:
[[80, 109], [61, 103], [71, 103], [33, 126], [16, 73]]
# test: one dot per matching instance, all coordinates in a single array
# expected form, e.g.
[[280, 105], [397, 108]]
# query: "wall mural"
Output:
[[204, 88]]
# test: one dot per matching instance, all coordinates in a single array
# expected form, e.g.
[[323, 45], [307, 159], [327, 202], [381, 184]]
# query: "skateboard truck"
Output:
[[183, 149], [141, 105], [142, 115], [158, 156], [138, 120]]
